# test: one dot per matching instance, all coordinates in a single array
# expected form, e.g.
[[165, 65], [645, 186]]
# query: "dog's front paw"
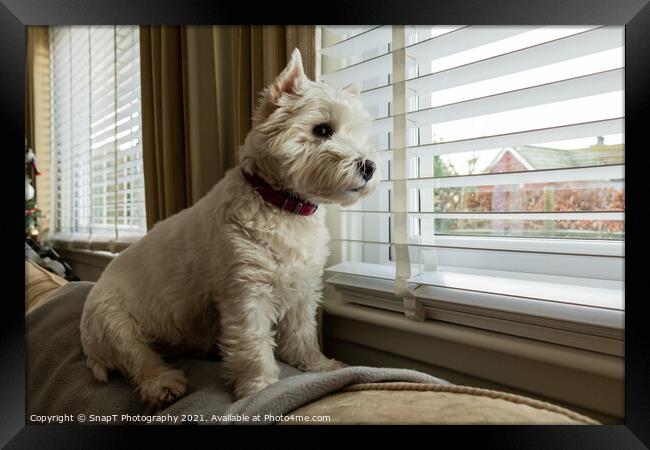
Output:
[[325, 365], [163, 388], [245, 388]]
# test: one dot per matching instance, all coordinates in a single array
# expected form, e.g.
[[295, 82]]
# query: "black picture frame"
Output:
[[633, 14]]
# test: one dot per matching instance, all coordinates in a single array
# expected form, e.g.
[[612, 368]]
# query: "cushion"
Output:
[[40, 283], [419, 403]]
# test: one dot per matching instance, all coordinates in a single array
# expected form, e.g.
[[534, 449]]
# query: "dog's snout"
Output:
[[366, 168]]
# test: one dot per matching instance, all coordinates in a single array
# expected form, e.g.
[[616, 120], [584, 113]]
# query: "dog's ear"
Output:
[[352, 89], [290, 80]]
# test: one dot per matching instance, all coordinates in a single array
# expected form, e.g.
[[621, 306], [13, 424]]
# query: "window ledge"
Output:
[[101, 244], [88, 265], [569, 325], [94, 258]]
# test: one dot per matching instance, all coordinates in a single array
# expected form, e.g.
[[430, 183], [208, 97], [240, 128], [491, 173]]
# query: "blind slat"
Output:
[[606, 172], [563, 49], [610, 249], [583, 86], [557, 215], [360, 43], [552, 134], [462, 39]]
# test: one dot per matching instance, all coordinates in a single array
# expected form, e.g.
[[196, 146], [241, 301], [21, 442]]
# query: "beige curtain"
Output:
[[199, 90], [37, 115], [261, 53], [227, 68], [164, 121]]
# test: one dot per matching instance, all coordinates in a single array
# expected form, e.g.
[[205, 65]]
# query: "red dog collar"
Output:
[[280, 199]]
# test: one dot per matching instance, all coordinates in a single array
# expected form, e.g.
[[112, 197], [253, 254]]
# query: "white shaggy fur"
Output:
[[233, 270]]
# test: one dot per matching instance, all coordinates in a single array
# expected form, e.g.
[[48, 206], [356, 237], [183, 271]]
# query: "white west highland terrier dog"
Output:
[[242, 268]]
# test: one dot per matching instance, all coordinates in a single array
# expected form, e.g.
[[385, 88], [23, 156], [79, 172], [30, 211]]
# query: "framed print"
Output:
[[498, 254]]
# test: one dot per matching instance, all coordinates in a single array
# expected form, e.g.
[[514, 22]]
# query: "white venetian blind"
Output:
[[501, 152], [96, 136]]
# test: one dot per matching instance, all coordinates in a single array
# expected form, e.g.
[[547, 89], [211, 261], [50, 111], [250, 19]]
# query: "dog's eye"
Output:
[[323, 130]]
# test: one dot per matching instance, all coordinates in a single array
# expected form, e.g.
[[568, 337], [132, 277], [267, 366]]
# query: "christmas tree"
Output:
[[32, 212]]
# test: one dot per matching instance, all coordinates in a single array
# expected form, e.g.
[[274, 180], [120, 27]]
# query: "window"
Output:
[[96, 136], [501, 150]]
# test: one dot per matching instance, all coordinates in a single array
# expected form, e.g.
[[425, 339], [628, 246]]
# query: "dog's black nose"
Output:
[[366, 168]]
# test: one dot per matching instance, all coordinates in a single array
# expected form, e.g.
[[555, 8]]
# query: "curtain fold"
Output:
[[37, 115], [261, 52], [200, 85], [166, 161]]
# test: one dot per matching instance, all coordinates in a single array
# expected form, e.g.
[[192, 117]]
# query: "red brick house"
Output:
[[565, 196]]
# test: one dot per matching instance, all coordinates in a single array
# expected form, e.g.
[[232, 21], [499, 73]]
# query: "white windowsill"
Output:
[[98, 243], [604, 294], [560, 322], [583, 300]]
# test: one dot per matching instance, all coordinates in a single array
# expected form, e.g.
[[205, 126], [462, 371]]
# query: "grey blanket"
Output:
[[61, 389]]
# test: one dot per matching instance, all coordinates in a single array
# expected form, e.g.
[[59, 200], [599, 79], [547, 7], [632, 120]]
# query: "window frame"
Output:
[[585, 327], [121, 236]]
